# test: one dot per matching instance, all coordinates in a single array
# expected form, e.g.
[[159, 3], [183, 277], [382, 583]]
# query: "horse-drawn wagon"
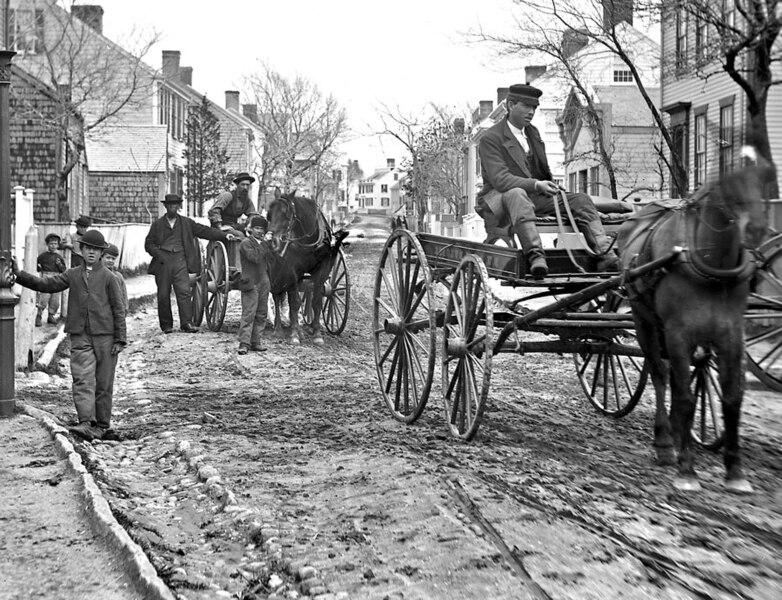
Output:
[[427, 282], [319, 264]]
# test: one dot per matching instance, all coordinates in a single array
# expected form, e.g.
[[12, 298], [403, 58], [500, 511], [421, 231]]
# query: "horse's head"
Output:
[[281, 215]]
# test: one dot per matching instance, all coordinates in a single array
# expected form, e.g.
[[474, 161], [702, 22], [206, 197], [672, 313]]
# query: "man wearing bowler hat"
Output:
[[171, 242], [230, 205], [96, 325], [517, 184]]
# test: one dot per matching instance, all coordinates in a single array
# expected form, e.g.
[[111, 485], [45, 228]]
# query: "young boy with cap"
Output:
[[50, 263], [96, 325], [254, 284], [110, 257], [71, 242]]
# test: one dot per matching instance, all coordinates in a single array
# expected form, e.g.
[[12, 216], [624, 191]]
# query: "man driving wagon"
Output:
[[518, 186], [228, 208]]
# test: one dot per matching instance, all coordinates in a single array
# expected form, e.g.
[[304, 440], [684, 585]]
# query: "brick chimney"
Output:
[[532, 72], [458, 126], [390, 163], [89, 14], [171, 63], [616, 11], [250, 111], [502, 93], [186, 75], [573, 40], [232, 100]]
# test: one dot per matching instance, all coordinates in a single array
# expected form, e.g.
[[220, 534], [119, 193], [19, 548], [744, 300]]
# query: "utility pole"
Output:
[[8, 299]]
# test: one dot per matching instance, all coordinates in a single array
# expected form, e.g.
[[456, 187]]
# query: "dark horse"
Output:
[[695, 305], [305, 245]]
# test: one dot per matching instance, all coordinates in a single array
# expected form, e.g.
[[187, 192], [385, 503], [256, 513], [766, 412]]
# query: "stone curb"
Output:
[[101, 518]]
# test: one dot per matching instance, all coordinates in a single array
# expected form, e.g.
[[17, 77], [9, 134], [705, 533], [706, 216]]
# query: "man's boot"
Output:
[[601, 244], [533, 250]]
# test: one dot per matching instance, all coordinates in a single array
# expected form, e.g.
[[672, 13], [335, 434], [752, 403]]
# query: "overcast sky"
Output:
[[405, 52]]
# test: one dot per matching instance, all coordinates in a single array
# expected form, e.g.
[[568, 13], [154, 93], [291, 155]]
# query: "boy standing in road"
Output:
[[50, 263], [110, 260], [254, 285], [96, 325]]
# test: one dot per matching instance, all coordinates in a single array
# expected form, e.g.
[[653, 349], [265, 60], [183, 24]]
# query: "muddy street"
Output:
[[282, 474]]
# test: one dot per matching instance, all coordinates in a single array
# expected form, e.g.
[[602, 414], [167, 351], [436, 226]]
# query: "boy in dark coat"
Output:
[[96, 325], [110, 257], [175, 254], [254, 284], [50, 263]]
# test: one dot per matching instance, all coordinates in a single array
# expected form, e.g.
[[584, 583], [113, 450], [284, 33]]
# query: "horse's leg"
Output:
[[682, 412], [278, 299], [648, 339], [317, 310], [293, 306], [731, 374]]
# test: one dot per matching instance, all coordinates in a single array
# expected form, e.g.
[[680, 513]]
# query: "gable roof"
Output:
[[139, 149]]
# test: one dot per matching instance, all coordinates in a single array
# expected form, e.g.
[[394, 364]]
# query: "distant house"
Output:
[[379, 193], [705, 110]]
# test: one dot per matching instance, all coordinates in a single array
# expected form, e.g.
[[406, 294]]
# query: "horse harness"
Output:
[[287, 238]]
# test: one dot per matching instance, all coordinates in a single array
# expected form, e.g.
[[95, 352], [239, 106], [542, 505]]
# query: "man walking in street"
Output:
[[517, 184], [171, 242]]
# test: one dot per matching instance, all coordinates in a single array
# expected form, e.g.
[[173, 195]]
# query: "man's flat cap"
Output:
[[521, 92]]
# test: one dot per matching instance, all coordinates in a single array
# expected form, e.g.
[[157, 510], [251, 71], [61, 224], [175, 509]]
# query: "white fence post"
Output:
[[25, 309]]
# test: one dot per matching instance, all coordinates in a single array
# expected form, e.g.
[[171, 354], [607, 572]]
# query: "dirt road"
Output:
[[281, 474]]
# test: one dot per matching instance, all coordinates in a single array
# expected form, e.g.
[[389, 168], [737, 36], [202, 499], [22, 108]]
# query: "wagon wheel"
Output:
[[403, 326], [468, 335], [613, 382], [197, 296], [217, 285], [763, 318], [336, 296], [306, 313], [707, 427]]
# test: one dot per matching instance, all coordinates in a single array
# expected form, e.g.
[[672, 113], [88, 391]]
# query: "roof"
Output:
[[116, 149]]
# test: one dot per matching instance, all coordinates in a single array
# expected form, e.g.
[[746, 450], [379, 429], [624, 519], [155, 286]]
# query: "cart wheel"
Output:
[[763, 318], [468, 333], [707, 428], [336, 296], [217, 285], [306, 313], [613, 382], [403, 326], [197, 297]]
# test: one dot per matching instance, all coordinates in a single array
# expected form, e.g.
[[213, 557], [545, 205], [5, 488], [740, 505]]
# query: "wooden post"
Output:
[[25, 320]]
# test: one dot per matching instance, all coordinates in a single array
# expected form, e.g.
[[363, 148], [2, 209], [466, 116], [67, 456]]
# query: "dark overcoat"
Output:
[[190, 231]]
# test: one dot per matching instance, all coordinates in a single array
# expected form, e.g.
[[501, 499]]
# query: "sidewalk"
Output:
[[59, 537]]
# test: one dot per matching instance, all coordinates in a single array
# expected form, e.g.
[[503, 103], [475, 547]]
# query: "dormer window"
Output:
[[25, 30]]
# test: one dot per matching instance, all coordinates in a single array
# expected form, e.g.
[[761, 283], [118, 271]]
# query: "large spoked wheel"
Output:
[[468, 335], [217, 285], [336, 296], [403, 326], [707, 428], [197, 287], [763, 318], [612, 381]]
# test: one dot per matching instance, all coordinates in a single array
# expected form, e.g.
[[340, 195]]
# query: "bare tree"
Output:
[[594, 20], [93, 80], [301, 127]]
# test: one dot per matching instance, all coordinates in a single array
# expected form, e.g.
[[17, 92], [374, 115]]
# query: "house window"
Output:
[[25, 30], [701, 40], [700, 150], [729, 13], [680, 132], [594, 181], [384, 188], [583, 180], [385, 201], [172, 111], [681, 40], [572, 181], [623, 76], [726, 137], [368, 202]]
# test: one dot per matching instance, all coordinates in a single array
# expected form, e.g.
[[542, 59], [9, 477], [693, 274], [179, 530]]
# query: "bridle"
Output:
[[287, 237]]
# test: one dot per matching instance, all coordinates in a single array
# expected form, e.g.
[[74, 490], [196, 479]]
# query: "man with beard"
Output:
[[231, 205], [518, 186]]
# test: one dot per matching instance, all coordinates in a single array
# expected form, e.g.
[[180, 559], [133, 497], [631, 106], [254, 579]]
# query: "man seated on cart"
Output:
[[518, 186], [228, 208]]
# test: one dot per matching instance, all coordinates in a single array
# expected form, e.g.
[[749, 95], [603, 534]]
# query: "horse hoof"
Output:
[[739, 486], [687, 484], [666, 457], [295, 341], [318, 340]]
